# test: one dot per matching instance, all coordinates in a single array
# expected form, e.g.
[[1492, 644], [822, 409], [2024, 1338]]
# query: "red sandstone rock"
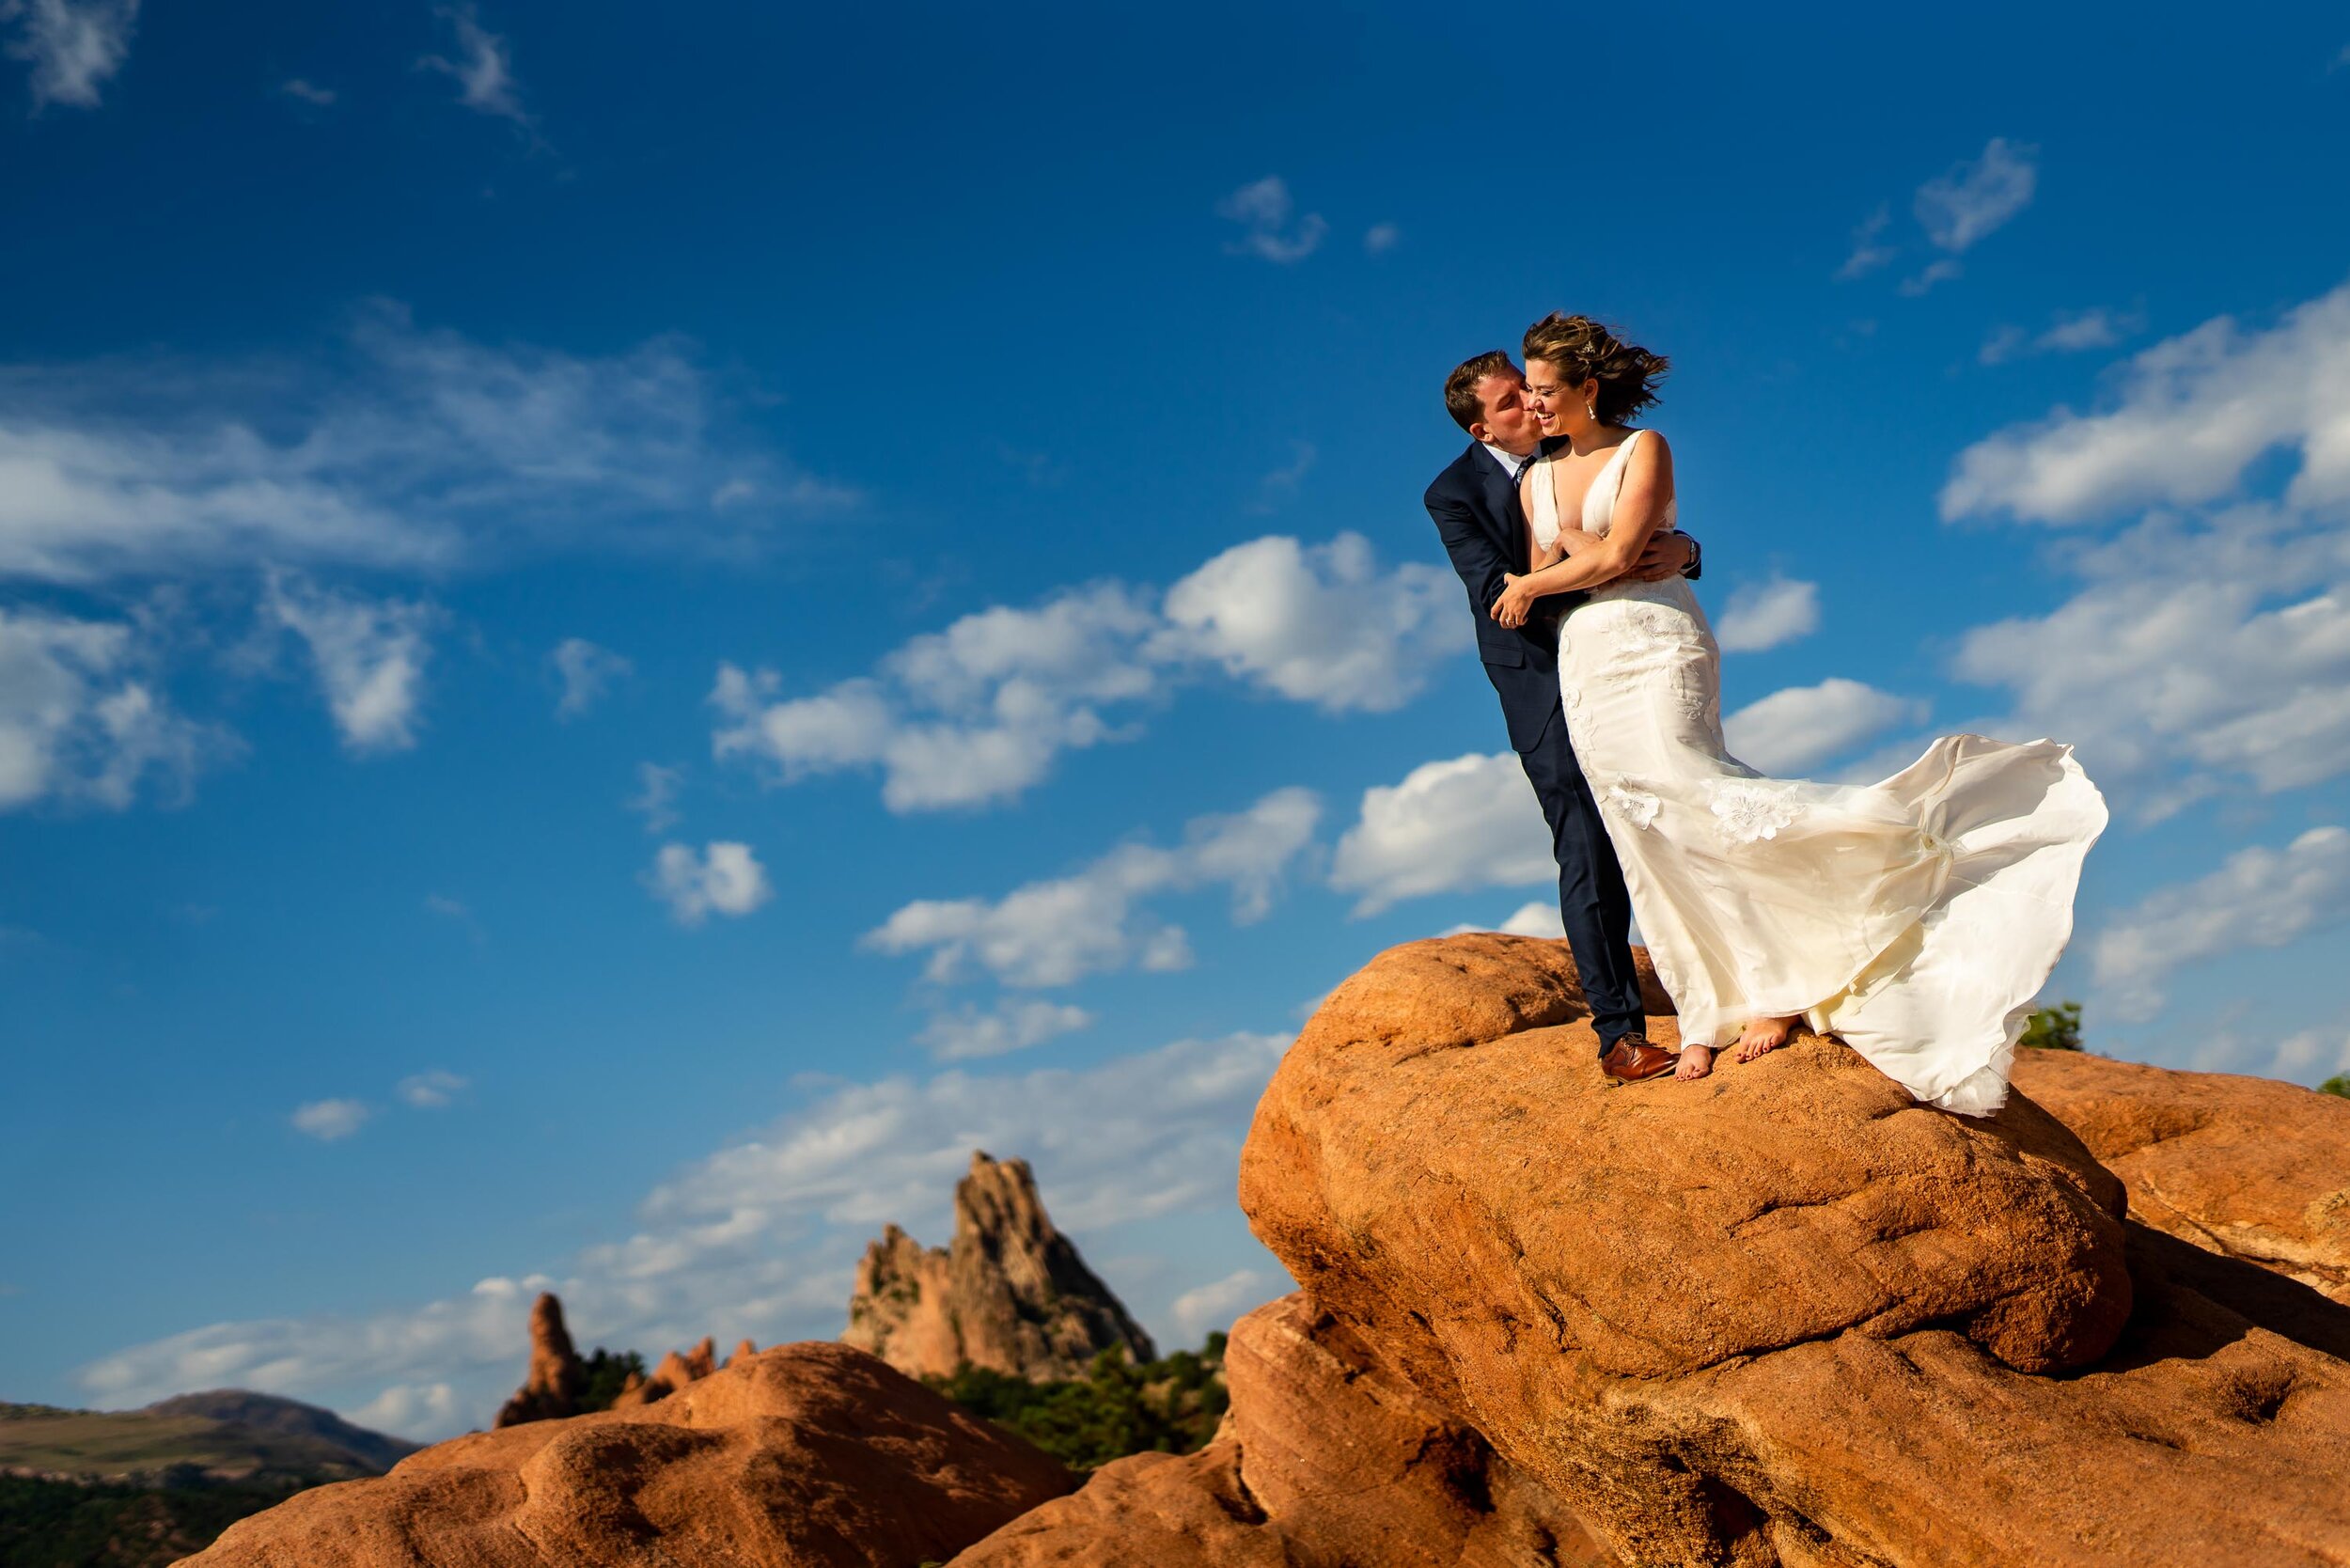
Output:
[[2246, 1168], [807, 1456], [557, 1379], [1325, 1461], [1785, 1315], [1010, 1294]]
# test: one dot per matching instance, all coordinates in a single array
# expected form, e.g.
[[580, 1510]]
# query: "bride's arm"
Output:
[[1648, 488]]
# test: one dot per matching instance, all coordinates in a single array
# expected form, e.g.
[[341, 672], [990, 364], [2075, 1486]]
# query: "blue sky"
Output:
[[622, 636]]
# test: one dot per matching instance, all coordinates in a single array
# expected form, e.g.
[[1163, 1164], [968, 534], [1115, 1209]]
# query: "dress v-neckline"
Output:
[[1583, 507]]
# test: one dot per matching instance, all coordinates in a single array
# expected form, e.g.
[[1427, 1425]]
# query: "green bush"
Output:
[[1170, 1405], [607, 1373], [2337, 1084], [2054, 1029]]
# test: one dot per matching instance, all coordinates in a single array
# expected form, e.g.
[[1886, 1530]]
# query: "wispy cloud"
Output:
[[307, 92], [436, 1090], [1941, 270], [585, 670], [483, 68], [74, 47], [84, 719], [2260, 897], [1277, 488], [1978, 197], [1868, 249], [370, 656], [2069, 333], [329, 1119], [761, 1237], [1013, 1024], [655, 799], [396, 447], [1271, 227], [1380, 238]]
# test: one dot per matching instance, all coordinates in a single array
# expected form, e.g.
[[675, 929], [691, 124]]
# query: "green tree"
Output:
[[2054, 1029], [607, 1373], [2337, 1084], [1170, 1405]]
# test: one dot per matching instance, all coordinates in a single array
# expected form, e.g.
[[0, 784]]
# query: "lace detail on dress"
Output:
[[1752, 809], [1644, 633], [1633, 803]]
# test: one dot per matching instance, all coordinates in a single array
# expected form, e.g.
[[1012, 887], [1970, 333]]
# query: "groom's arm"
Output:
[[1474, 556], [1669, 555]]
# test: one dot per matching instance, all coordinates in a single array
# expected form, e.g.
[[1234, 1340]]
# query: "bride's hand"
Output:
[[1514, 604]]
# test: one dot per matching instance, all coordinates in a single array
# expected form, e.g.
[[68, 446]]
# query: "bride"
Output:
[[1915, 919]]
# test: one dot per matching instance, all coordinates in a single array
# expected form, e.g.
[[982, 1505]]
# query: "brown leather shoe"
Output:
[[1632, 1058]]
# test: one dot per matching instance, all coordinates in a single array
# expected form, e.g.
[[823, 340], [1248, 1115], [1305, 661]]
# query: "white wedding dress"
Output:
[[1915, 919]]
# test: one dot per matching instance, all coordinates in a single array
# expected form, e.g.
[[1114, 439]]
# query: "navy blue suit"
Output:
[[1476, 509]]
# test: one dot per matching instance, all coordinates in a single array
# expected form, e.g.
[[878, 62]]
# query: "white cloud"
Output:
[[433, 1090], [81, 719], [1265, 212], [725, 878], [1448, 826], [369, 654], [1012, 1025], [1380, 238], [761, 1238], [1321, 625], [1794, 729], [395, 448], [2070, 332], [1215, 1303], [1764, 615], [484, 68], [585, 670], [1537, 917], [1056, 932], [307, 92], [74, 47], [2188, 417], [2259, 897], [1939, 271], [329, 1119], [1869, 250], [656, 796], [978, 713], [1975, 197]]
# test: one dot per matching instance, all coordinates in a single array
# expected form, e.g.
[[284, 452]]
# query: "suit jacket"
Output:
[[1475, 505]]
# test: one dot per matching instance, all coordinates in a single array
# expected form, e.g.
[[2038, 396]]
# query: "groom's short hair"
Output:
[[1460, 388]]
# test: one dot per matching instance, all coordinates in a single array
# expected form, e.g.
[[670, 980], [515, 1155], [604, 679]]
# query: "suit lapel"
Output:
[[1502, 495]]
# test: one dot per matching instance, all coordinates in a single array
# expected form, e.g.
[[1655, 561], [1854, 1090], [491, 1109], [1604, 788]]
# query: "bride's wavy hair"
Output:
[[1583, 348]]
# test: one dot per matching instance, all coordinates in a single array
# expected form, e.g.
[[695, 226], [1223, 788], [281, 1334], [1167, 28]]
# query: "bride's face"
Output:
[[1557, 406]]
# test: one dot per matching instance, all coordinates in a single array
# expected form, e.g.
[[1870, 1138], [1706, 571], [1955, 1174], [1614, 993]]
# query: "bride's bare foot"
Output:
[[1763, 1036], [1696, 1061]]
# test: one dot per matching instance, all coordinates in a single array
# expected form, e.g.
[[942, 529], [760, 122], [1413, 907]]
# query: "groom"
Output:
[[1475, 505]]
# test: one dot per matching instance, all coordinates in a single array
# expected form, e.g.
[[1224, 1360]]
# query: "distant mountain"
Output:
[[224, 1436], [291, 1419]]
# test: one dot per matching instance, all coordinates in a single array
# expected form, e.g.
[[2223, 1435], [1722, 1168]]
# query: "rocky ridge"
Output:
[[1009, 1294]]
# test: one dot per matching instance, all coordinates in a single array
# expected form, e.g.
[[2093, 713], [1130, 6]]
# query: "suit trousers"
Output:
[[1593, 901]]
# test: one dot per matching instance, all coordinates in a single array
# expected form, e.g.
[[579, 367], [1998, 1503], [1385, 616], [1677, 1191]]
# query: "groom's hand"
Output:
[[1667, 556]]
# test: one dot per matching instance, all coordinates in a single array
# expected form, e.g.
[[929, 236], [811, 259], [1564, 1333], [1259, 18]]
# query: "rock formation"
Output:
[[557, 1378], [807, 1456], [1326, 1459], [1784, 1316], [674, 1371], [2246, 1168], [1009, 1294]]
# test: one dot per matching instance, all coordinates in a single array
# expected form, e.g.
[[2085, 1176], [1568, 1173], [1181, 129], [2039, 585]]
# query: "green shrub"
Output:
[[2337, 1084], [1170, 1405], [607, 1373], [2054, 1029]]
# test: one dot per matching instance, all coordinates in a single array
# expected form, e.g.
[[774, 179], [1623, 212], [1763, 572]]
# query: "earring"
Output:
[[1590, 411]]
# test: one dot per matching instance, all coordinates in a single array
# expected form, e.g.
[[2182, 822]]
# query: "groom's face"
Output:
[[1507, 423]]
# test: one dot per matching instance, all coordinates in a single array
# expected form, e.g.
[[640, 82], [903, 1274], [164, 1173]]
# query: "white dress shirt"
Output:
[[1510, 463]]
